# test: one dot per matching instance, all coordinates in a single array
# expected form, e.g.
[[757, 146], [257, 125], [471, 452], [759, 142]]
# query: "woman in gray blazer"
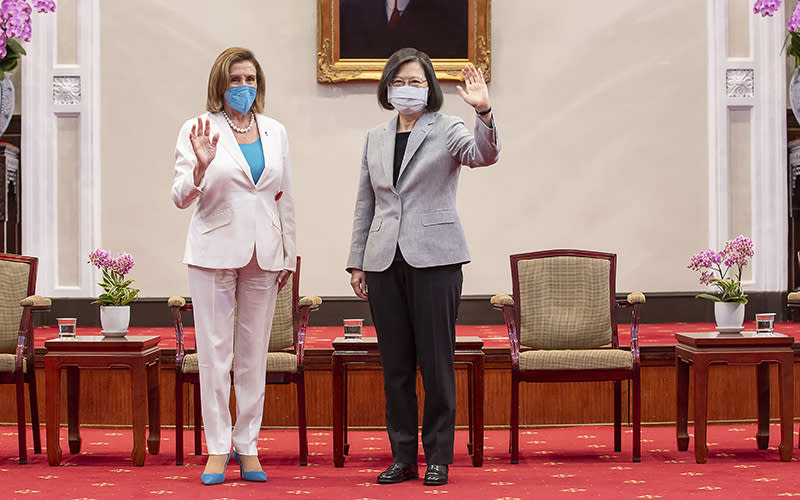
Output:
[[408, 247]]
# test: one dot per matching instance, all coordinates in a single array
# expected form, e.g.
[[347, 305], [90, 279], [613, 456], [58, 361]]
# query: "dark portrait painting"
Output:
[[355, 37], [374, 29]]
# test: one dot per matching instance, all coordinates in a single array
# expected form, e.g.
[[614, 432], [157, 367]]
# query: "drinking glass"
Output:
[[352, 328], [66, 327], [765, 322]]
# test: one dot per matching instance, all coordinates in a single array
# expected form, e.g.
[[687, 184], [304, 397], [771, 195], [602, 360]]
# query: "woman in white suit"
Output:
[[240, 249], [408, 247]]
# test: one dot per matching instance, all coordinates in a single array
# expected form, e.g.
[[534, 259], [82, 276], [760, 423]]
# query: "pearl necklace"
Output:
[[237, 129]]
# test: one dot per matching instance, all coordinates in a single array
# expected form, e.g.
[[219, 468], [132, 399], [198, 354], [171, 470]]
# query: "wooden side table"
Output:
[[747, 348], [365, 351], [140, 355]]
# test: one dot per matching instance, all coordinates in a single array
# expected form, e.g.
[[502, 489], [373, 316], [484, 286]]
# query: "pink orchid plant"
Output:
[[15, 27], [792, 43], [714, 268], [118, 290]]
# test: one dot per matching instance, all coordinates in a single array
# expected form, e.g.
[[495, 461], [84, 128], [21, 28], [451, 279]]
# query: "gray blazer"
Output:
[[419, 214]]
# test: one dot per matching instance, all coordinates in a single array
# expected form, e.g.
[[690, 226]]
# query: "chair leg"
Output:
[[301, 418], [637, 417], [23, 449], [178, 419], [514, 416], [34, 402], [617, 415], [198, 420]]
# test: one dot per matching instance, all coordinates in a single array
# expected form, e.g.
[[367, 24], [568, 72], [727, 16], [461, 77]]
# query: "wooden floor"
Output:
[[105, 395]]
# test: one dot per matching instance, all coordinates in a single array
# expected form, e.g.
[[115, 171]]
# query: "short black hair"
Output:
[[402, 56]]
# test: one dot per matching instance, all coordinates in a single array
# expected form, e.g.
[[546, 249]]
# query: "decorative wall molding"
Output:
[[756, 83], [739, 82], [66, 90], [52, 91]]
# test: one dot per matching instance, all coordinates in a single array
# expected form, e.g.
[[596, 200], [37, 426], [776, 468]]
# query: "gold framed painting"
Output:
[[355, 37]]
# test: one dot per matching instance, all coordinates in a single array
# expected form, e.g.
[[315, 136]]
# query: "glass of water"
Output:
[[352, 328], [66, 327], [765, 322]]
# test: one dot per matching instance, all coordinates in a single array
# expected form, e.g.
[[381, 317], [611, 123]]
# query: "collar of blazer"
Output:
[[418, 133], [229, 143]]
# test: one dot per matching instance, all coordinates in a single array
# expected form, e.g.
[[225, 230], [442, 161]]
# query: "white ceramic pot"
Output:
[[729, 315], [115, 320]]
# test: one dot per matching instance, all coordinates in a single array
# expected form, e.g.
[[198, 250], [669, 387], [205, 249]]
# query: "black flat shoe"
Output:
[[398, 472], [436, 475]]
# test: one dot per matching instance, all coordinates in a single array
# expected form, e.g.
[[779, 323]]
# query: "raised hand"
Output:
[[475, 93], [204, 146]]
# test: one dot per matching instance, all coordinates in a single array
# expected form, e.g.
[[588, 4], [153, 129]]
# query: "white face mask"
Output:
[[408, 100]]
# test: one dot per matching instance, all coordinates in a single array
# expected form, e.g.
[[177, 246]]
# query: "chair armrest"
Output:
[[305, 306], [37, 303], [30, 304], [311, 301], [178, 304], [631, 299], [793, 297], [176, 301], [500, 300], [634, 300], [505, 303]]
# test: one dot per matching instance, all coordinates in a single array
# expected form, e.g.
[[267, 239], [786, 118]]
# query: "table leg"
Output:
[[53, 408], [153, 409], [477, 403], [471, 408], [345, 390], [139, 403], [762, 389], [339, 416], [682, 390], [786, 377], [73, 408], [700, 403]]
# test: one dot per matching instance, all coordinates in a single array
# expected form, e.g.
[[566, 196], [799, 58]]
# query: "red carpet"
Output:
[[320, 337], [569, 463]]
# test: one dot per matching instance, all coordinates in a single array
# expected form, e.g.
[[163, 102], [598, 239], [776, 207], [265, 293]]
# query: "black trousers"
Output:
[[414, 311]]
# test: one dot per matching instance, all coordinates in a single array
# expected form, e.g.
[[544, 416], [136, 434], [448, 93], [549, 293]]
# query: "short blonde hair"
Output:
[[219, 77]]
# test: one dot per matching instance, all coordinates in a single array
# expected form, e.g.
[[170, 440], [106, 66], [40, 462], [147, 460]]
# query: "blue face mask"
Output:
[[241, 98]]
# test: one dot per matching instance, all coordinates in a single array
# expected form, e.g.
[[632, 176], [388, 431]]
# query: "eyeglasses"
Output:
[[414, 82]]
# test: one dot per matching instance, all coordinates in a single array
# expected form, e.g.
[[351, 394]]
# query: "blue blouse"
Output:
[[254, 154]]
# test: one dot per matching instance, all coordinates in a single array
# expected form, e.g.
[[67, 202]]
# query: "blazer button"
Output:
[[253, 192]]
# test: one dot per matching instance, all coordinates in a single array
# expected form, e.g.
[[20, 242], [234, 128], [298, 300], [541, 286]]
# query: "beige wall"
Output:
[[601, 108]]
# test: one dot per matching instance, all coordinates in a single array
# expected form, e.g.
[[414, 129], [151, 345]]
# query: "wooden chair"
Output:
[[17, 365], [562, 327], [284, 359]]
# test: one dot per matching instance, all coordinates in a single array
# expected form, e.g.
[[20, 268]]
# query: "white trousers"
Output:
[[214, 293]]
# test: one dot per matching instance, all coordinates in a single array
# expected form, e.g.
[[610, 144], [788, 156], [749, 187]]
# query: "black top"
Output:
[[400, 141]]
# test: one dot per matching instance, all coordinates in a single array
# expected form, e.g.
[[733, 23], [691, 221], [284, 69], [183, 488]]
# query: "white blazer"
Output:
[[234, 215]]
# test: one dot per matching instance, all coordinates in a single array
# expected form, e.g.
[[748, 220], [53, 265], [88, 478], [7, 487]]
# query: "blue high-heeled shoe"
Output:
[[209, 479], [253, 475]]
